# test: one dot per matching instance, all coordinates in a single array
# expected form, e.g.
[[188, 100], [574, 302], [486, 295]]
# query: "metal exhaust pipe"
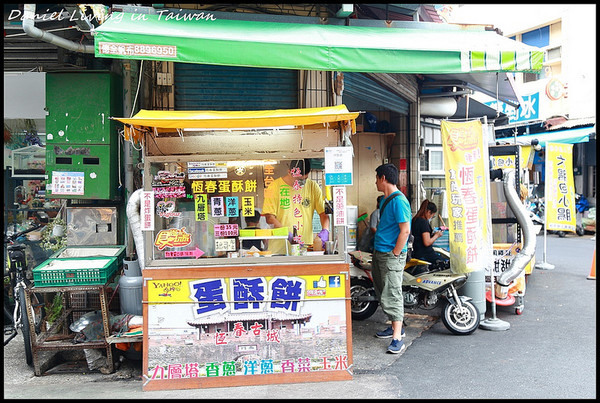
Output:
[[33, 31], [528, 250]]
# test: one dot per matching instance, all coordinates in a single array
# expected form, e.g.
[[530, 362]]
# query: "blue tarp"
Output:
[[570, 136]]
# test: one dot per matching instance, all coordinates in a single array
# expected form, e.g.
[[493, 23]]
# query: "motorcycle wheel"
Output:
[[461, 320], [362, 310], [561, 234], [579, 230]]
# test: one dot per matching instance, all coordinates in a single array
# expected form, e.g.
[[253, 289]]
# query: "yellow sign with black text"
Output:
[[560, 188]]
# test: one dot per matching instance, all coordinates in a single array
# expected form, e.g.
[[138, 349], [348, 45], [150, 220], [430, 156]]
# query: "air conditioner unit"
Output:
[[553, 55]]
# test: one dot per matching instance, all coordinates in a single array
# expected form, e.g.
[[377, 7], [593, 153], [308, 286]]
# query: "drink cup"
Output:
[[329, 247]]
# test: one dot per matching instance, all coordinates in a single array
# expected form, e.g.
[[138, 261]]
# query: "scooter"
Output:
[[423, 284], [536, 214]]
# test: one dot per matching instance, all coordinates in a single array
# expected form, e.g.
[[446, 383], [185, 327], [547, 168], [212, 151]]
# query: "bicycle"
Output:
[[15, 316]]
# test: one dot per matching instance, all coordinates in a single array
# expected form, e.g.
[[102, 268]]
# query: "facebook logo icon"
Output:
[[334, 281]]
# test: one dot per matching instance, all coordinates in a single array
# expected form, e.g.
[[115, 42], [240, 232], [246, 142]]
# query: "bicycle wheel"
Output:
[[8, 309], [24, 320]]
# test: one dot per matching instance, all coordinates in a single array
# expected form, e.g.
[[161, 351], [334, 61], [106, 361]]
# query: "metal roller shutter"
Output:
[[212, 87], [362, 88]]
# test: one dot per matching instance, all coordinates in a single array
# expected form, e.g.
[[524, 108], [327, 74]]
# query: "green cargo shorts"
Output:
[[387, 278]]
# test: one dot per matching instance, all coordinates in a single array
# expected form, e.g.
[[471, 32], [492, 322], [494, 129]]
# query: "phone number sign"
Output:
[[136, 49]]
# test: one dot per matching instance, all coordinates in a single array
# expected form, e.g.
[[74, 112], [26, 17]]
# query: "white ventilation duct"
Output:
[[31, 30], [440, 107], [134, 216]]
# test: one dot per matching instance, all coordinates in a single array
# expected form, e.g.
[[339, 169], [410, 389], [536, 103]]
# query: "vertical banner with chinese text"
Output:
[[339, 203], [560, 188], [147, 211], [466, 165]]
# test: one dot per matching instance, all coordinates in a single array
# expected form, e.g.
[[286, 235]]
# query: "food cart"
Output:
[[217, 315]]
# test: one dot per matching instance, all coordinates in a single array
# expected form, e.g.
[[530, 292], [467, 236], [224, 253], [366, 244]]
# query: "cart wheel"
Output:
[[519, 310]]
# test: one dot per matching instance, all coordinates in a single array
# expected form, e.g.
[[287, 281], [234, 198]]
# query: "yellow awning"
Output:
[[238, 119]]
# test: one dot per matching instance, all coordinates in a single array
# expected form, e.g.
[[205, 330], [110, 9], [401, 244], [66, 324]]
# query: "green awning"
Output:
[[311, 46]]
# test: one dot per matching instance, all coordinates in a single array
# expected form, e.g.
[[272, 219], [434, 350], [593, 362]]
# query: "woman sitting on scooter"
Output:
[[424, 235]]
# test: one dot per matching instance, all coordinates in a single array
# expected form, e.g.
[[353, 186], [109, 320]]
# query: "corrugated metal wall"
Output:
[[406, 85], [359, 86], [211, 87]]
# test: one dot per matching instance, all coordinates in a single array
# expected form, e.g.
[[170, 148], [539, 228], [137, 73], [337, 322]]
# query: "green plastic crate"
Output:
[[59, 272], [79, 251]]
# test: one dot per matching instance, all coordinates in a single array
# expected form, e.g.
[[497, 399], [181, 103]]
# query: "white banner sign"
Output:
[[339, 205], [147, 211]]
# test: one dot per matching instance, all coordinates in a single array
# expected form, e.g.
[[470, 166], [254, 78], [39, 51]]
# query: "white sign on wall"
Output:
[[338, 166], [147, 211], [339, 205]]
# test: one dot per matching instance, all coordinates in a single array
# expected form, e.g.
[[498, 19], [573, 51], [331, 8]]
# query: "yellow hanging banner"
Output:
[[560, 188], [466, 165], [508, 161]]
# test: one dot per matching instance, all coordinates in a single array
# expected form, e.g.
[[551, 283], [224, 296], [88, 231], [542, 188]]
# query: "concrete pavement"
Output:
[[548, 352]]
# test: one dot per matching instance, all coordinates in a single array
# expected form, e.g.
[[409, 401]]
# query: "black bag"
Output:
[[365, 243]]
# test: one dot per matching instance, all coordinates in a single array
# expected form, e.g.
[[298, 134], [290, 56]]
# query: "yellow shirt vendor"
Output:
[[290, 202]]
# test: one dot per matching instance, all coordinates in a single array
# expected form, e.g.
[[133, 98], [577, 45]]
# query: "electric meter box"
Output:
[[81, 140], [89, 174], [79, 105]]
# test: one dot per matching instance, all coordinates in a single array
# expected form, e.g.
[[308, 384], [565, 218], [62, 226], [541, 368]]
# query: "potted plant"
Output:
[[54, 236]]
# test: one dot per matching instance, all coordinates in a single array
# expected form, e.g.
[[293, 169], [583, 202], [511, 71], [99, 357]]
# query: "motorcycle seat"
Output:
[[417, 270]]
